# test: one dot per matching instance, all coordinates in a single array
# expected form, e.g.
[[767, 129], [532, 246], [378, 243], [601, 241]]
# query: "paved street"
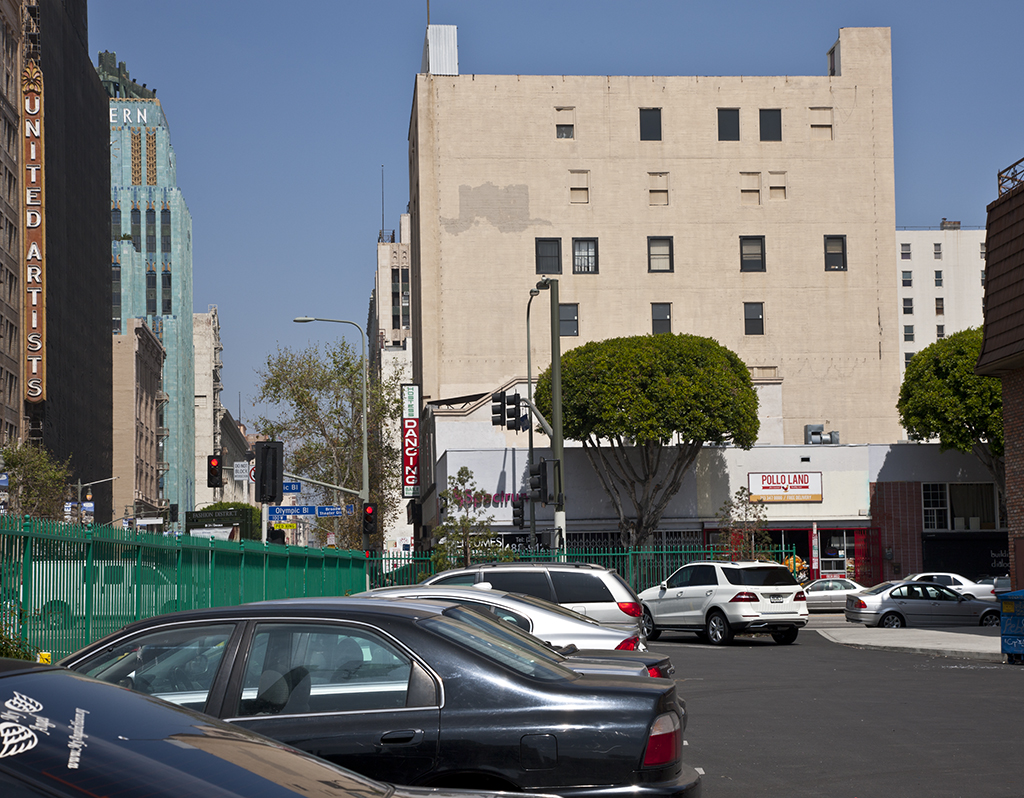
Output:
[[823, 719]]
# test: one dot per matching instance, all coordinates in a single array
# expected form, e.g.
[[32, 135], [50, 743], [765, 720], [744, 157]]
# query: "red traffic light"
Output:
[[368, 509], [214, 462]]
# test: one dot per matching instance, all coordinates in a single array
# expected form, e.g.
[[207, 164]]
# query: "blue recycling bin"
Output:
[[1011, 626]]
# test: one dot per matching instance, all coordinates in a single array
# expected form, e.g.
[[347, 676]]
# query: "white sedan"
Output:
[[830, 593], [961, 584]]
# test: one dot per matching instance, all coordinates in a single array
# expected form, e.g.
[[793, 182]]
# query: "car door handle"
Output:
[[709, 592], [402, 737]]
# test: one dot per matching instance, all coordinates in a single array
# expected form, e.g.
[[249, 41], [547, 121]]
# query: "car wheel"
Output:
[[968, 596], [892, 620], [990, 619], [718, 630], [787, 637], [651, 632]]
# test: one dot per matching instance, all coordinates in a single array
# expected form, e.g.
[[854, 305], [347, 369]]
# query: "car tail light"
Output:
[[745, 596], [654, 673], [631, 608], [664, 743], [629, 644], [800, 596], [858, 603]]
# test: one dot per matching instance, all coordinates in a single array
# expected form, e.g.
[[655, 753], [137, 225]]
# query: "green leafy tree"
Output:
[[465, 535], [941, 397], [318, 394], [38, 484], [741, 527], [643, 407]]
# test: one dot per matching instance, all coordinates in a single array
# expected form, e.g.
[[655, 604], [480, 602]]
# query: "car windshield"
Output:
[[496, 647], [766, 576]]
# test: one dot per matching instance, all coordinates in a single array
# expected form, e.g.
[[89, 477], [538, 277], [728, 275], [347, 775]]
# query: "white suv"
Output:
[[717, 600]]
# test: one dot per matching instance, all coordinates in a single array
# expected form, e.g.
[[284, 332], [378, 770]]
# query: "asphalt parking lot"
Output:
[[823, 718]]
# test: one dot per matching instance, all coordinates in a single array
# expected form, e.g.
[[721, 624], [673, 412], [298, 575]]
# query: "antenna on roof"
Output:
[[382, 196], [428, 13]]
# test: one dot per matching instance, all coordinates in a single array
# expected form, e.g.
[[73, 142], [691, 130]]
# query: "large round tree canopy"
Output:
[[650, 387]]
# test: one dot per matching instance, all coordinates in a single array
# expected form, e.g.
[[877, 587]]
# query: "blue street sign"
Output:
[[291, 487], [329, 511], [278, 513], [350, 509]]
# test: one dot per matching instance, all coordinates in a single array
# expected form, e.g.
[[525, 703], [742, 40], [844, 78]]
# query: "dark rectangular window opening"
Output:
[[753, 318], [771, 124], [584, 256], [728, 124], [564, 131], [165, 293], [549, 255], [115, 223], [752, 254], [151, 293], [650, 124], [661, 318], [659, 254], [569, 320], [835, 253]]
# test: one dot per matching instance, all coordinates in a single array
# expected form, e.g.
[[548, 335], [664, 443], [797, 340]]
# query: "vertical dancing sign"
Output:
[[34, 313], [410, 441]]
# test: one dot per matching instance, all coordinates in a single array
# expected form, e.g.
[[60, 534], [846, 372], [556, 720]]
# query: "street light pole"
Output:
[[556, 414], [79, 485], [529, 395], [364, 494]]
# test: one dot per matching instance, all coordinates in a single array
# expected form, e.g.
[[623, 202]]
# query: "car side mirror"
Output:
[[663, 586], [960, 597]]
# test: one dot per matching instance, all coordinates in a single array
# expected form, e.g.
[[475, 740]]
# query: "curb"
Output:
[[910, 648]]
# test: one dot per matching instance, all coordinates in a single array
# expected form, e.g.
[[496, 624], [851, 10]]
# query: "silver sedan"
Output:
[[896, 604], [830, 593]]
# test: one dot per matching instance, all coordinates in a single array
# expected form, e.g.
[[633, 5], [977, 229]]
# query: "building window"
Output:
[[659, 254], [750, 188], [137, 229], [658, 182], [939, 306], [165, 292], [940, 331], [983, 250], [565, 123], [821, 124], [908, 332], [908, 306], [938, 278], [771, 124], [728, 124], [115, 223], [150, 293], [568, 320], [752, 254], [579, 187], [907, 357], [835, 253], [982, 278], [908, 279], [938, 252], [969, 505], [905, 251], [661, 317], [584, 256], [150, 230], [165, 230], [777, 185], [650, 124], [753, 318], [549, 255]]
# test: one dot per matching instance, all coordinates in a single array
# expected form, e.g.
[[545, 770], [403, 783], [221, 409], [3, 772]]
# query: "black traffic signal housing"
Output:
[[173, 514], [369, 524], [214, 471], [269, 471], [512, 411], [498, 409], [518, 505], [539, 482]]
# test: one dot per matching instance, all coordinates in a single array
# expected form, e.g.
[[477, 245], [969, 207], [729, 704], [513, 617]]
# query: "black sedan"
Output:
[[66, 735], [418, 693]]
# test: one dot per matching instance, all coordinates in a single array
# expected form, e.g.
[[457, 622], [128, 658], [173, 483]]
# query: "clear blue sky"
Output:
[[282, 115]]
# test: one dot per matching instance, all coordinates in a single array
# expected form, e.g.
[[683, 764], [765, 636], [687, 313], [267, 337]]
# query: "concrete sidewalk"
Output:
[[980, 644]]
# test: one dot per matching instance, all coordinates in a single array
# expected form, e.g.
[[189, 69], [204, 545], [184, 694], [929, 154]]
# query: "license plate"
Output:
[[775, 599]]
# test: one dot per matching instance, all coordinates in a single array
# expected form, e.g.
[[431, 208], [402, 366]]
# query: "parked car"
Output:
[[961, 584], [914, 603], [591, 590], [717, 600], [552, 623], [372, 683], [998, 584], [66, 735], [830, 593]]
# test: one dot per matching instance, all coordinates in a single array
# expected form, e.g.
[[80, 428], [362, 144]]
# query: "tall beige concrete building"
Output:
[[758, 211]]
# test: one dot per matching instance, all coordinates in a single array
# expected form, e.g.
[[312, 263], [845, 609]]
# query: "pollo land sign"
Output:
[[785, 486]]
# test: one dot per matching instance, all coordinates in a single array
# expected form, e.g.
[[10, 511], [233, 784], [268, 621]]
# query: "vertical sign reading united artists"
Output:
[[34, 313], [410, 441]]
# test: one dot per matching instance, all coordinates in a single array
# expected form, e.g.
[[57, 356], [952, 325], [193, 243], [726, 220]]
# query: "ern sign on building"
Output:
[[410, 441], [34, 312], [785, 486]]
